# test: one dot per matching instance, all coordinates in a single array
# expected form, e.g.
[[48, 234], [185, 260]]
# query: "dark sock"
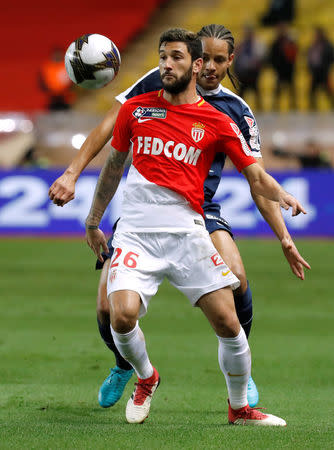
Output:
[[244, 308], [104, 329]]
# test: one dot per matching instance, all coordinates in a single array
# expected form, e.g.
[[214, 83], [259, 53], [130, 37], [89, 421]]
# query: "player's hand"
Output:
[[287, 200], [95, 240], [296, 261], [62, 190]]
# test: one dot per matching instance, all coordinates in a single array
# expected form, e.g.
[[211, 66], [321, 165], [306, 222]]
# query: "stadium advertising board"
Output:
[[26, 209]]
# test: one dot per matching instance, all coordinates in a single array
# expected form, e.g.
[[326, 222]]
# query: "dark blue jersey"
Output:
[[225, 101]]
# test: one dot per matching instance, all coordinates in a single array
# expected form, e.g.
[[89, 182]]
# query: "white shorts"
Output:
[[189, 261]]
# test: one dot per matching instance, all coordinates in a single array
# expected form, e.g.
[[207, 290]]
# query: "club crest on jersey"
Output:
[[197, 131], [144, 113]]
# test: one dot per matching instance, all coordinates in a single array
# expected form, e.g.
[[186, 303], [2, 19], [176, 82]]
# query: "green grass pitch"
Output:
[[53, 360]]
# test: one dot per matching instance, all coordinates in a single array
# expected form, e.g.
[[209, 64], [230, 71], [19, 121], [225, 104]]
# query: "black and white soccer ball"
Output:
[[92, 61]]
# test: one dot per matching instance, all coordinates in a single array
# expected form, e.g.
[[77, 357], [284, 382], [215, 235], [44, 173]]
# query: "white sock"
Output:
[[235, 362], [132, 347]]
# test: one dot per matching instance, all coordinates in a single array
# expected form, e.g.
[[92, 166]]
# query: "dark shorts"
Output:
[[213, 222], [105, 256]]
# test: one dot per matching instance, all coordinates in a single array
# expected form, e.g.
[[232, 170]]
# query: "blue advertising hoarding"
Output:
[[25, 208]]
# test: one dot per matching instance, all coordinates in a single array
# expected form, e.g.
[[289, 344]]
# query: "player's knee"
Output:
[[227, 325], [123, 319], [124, 310], [123, 323]]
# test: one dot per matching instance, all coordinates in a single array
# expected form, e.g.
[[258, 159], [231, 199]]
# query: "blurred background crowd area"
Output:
[[284, 59]]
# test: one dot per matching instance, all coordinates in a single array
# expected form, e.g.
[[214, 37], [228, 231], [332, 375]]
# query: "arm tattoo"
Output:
[[107, 185]]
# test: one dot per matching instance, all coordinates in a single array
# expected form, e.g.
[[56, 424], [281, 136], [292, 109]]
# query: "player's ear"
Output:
[[197, 65], [230, 60]]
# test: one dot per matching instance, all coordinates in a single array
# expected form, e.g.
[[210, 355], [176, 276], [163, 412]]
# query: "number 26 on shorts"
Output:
[[129, 260]]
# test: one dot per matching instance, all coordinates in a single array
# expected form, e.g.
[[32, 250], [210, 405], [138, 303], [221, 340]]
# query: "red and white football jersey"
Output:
[[173, 149]]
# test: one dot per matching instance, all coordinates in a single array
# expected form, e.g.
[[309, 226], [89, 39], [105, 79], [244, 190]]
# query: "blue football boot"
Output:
[[113, 386], [252, 393]]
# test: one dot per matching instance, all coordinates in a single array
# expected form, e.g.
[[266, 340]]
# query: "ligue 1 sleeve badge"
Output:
[[197, 131]]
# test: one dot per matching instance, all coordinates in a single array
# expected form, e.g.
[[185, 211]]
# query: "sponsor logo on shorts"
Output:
[[225, 273], [198, 222], [143, 113]]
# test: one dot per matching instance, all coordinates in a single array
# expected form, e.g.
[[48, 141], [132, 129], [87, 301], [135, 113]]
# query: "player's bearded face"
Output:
[[175, 84]]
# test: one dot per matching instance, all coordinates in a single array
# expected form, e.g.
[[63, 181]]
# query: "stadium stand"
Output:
[[30, 30]]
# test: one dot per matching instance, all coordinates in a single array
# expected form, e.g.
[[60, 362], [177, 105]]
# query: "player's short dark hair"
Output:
[[192, 41]]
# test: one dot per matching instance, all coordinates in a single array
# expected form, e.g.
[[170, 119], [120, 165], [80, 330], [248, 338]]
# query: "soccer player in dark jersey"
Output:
[[218, 46], [161, 232]]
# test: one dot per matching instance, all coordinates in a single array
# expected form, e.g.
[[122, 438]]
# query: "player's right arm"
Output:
[[106, 187], [63, 188], [108, 182]]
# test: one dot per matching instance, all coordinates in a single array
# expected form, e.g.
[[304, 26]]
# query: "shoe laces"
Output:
[[253, 413], [143, 390]]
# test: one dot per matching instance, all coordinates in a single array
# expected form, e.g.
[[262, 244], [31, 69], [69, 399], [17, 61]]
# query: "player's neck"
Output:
[[188, 96]]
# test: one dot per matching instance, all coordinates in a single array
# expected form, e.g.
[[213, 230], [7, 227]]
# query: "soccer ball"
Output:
[[92, 61]]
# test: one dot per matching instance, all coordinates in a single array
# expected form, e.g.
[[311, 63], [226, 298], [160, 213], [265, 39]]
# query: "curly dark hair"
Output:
[[192, 41]]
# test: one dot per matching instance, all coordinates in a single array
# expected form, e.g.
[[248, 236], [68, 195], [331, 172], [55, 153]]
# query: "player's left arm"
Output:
[[271, 212], [62, 189], [264, 185], [234, 144], [261, 183]]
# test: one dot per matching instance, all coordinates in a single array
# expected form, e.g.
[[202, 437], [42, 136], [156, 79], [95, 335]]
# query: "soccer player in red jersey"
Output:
[[175, 135], [218, 45]]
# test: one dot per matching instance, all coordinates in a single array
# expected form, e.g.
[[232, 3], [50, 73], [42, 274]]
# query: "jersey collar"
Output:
[[205, 93], [199, 102]]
